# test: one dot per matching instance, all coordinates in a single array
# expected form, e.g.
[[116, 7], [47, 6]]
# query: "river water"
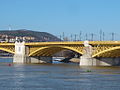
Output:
[[57, 76]]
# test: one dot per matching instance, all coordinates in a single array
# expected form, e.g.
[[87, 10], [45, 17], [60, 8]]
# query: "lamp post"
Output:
[[100, 34]]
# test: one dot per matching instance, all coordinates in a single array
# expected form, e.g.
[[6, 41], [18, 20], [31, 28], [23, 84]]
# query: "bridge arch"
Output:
[[7, 50], [50, 50], [111, 52]]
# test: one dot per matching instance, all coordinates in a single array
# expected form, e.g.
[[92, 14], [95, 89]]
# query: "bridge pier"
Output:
[[21, 59], [21, 52], [89, 61], [86, 59]]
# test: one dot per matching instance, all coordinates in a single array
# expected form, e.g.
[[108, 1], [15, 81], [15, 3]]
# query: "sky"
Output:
[[58, 16]]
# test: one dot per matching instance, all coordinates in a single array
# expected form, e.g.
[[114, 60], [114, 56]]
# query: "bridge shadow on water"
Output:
[[10, 60]]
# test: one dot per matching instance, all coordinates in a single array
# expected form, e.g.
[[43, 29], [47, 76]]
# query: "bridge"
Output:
[[104, 52]]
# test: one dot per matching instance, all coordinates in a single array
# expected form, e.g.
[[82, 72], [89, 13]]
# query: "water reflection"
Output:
[[58, 76], [19, 76]]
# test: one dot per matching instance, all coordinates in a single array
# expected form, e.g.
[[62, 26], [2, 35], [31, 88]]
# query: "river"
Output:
[[57, 76]]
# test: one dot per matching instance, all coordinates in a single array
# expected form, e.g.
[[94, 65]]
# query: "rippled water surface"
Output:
[[58, 77]]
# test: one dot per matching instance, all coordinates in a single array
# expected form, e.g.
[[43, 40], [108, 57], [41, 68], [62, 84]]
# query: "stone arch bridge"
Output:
[[101, 49]]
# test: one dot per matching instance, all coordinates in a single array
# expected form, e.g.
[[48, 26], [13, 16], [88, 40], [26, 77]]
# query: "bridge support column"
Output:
[[89, 61], [41, 59], [20, 55], [86, 59]]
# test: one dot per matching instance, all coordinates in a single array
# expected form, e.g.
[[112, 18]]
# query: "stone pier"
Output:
[[22, 52], [87, 60]]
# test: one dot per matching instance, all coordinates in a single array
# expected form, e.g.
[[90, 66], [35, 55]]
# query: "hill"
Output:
[[31, 36]]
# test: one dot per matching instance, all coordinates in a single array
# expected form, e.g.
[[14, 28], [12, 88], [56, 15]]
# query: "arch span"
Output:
[[112, 52], [50, 50], [7, 50]]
